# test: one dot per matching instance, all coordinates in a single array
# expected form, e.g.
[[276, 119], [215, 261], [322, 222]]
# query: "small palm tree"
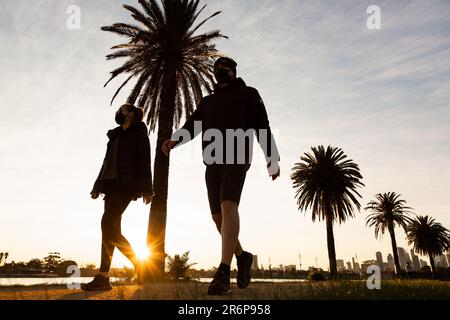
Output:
[[179, 265], [326, 182], [388, 210], [428, 238], [172, 66]]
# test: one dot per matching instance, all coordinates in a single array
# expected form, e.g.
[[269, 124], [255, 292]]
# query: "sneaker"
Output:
[[220, 285], [100, 283], [244, 264]]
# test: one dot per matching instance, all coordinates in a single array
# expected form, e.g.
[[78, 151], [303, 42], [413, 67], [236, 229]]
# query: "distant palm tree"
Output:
[[428, 237], [326, 182], [388, 210], [172, 65]]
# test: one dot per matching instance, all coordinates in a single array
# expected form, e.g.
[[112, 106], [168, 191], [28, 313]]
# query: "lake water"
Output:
[[233, 280], [75, 280], [47, 281]]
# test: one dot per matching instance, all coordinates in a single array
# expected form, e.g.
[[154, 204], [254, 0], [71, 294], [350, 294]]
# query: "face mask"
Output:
[[223, 76], [120, 118]]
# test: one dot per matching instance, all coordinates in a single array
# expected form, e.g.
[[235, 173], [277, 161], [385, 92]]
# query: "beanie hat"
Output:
[[226, 61]]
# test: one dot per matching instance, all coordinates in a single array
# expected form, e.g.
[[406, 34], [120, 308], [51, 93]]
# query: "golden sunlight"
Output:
[[142, 252]]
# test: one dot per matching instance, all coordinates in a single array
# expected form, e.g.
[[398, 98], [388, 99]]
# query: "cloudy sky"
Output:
[[381, 95]]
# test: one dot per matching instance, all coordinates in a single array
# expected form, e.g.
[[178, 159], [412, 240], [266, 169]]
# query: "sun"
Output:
[[142, 252]]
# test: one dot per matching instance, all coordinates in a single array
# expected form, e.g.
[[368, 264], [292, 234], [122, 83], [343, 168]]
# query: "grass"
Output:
[[192, 290], [357, 290]]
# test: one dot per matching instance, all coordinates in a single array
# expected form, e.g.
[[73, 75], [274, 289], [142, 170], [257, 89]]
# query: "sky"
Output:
[[383, 96]]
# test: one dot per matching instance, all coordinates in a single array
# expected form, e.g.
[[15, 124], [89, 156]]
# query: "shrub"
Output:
[[316, 275], [178, 266]]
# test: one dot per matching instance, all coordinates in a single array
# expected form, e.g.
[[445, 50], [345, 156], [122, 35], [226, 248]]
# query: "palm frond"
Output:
[[428, 236], [164, 36], [327, 183]]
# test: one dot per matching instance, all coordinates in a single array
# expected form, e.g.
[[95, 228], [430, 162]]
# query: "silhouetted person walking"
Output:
[[125, 176], [237, 109]]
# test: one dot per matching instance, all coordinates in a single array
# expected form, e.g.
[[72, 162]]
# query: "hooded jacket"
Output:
[[235, 106], [127, 162]]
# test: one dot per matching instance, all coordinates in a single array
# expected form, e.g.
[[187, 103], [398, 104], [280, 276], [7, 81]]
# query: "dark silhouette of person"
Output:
[[124, 176], [237, 108]]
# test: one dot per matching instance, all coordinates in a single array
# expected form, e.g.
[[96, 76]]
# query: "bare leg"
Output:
[[230, 230], [218, 221]]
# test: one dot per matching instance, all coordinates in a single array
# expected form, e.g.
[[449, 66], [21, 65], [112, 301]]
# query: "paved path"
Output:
[[156, 291]]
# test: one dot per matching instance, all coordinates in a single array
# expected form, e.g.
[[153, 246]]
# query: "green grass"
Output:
[[351, 290]]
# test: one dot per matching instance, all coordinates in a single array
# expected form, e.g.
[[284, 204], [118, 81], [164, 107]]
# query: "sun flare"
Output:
[[142, 252]]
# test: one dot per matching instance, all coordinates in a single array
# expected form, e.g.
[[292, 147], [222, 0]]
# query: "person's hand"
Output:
[[94, 195], [274, 170], [147, 198], [167, 146]]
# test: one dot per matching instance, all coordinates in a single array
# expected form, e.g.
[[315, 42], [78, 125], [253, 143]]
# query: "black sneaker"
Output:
[[244, 264], [100, 283], [220, 285]]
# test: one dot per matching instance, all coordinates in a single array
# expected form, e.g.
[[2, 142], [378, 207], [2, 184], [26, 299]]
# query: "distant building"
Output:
[[442, 259], [390, 263], [423, 263], [349, 266], [356, 267], [415, 261], [403, 257], [292, 268], [445, 261], [340, 265], [367, 264], [379, 258], [255, 262]]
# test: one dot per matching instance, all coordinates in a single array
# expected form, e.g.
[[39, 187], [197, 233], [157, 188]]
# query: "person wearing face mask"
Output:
[[233, 105], [125, 176]]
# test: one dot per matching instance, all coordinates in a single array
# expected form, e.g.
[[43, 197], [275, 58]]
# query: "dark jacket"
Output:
[[235, 106], [127, 162]]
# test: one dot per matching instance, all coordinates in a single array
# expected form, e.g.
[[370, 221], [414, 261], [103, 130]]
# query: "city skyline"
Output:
[[441, 261]]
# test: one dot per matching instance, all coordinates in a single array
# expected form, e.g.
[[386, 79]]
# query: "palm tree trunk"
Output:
[[331, 248], [394, 248], [433, 267], [158, 211]]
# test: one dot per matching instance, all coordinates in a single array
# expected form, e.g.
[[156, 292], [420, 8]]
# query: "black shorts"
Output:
[[224, 182]]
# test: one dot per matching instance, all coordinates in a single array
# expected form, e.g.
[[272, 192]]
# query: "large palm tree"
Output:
[[388, 210], [326, 181], [428, 238], [172, 66]]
